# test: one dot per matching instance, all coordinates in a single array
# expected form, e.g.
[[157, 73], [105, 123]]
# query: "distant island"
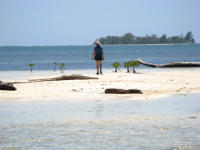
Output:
[[129, 38]]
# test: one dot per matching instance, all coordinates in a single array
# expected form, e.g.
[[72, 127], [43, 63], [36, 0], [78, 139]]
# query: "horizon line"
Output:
[[92, 44]]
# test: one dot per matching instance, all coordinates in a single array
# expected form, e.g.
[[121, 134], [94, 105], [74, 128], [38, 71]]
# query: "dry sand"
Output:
[[153, 85]]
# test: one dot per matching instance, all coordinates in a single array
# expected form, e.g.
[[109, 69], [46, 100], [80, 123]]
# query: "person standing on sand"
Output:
[[98, 55]]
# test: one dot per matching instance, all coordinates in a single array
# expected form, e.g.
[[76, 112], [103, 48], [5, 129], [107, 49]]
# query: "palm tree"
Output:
[[62, 65], [134, 64], [127, 65], [31, 66], [116, 65], [55, 64]]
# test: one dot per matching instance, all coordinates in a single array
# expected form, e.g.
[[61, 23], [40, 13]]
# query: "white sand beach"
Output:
[[153, 84]]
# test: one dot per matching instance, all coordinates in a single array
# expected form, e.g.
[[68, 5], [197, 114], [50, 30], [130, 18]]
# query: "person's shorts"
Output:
[[99, 58]]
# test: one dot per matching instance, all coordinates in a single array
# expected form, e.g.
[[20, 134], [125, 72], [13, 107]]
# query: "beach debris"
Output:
[[7, 86], [74, 90], [122, 91], [170, 65], [65, 77], [192, 117]]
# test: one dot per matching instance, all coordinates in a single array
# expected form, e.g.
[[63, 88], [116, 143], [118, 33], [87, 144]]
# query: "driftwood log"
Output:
[[70, 77], [7, 86], [168, 65], [122, 91]]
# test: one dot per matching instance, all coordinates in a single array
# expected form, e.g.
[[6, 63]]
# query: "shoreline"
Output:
[[15, 75], [154, 84]]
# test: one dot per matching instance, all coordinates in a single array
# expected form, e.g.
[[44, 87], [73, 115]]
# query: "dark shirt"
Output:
[[98, 53]]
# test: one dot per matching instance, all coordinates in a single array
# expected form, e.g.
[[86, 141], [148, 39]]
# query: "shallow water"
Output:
[[165, 124]]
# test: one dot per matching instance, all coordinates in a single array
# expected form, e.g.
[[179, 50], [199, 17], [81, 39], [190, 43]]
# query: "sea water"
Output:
[[16, 58]]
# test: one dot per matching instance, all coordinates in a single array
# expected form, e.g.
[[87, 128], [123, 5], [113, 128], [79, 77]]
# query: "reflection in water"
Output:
[[168, 124]]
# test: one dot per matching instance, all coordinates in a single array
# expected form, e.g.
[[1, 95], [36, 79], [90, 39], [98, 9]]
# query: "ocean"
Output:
[[17, 58]]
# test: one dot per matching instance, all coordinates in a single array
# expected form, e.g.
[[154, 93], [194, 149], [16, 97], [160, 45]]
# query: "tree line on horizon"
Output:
[[129, 38]]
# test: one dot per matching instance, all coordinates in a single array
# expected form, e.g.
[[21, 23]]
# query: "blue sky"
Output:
[[80, 22]]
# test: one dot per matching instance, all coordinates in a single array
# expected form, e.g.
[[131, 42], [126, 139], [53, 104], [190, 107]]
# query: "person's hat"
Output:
[[97, 42]]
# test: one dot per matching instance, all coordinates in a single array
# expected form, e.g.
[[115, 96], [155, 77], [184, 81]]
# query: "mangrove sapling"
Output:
[[55, 64], [127, 65], [116, 65], [62, 66], [31, 66], [134, 64]]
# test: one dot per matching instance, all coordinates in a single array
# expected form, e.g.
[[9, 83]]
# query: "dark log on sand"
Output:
[[7, 86], [122, 91], [70, 77], [168, 65]]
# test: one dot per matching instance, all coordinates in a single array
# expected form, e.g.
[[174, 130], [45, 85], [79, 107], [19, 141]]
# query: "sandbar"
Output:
[[154, 85]]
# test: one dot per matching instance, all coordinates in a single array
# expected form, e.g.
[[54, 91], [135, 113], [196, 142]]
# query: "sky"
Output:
[[80, 22]]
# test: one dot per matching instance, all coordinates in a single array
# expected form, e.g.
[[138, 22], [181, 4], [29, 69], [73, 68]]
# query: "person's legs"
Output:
[[100, 63], [97, 66]]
